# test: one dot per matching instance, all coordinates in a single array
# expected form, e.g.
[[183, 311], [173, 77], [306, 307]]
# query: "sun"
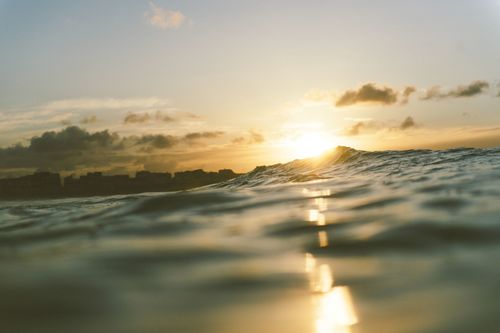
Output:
[[309, 145]]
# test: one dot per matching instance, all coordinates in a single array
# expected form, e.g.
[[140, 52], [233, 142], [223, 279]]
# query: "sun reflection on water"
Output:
[[323, 239], [335, 311], [310, 263], [316, 193], [321, 279], [322, 204], [315, 216], [333, 305]]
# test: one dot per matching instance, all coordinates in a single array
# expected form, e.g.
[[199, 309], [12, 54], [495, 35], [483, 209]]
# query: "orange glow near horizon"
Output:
[[309, 144]]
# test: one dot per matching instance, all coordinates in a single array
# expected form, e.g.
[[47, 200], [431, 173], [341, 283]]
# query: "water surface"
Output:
[[394, 241]]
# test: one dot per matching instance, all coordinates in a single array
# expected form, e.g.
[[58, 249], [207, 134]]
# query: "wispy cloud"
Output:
[[88, 120], [363, 127], [107, 103], [253, 137], [407, 94], [157, 117], [472, 89], [203, 135], [407, 124], [162, 18], [376, 94], [136, 118], [370, 126], [117, 114], [355, 129]]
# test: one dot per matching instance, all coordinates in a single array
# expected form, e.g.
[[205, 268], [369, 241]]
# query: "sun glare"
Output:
[[309, 145]]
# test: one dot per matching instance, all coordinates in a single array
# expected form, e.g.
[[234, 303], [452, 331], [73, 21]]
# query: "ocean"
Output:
[[353, 241]]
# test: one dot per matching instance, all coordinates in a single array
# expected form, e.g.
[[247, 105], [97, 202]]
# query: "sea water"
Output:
[[392, 241]]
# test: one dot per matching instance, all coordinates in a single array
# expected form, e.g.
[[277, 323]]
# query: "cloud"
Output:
[[71, 139], [88, 120], [74, 149], [253, 137], [363, 127], [238, 140], [375, 94], [158, 141], [29, 120], [369, 93], [164, 117], [135, 118], [472, 89], [433, 93], [355, 129], [107, 103], [407, 94], [140, 118], [68, 149], [407, 123], [203, 135], [256, 137], [164, 19]]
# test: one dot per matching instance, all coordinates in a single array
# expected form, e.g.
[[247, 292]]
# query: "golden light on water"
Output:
[[321, 279], [323, 239], [335, 311], [322, 204], [333, 305], [316, 193], [316, 215], [310, 263]]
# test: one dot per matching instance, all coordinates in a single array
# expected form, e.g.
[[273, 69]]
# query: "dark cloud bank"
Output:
[[75, 149]]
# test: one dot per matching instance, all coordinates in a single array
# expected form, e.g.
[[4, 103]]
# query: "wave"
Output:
[[345, 161]]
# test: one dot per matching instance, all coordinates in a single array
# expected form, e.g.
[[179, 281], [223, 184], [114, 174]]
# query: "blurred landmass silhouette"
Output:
[[51, 185]]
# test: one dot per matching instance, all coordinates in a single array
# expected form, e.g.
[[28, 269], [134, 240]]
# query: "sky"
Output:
[[125, 85]]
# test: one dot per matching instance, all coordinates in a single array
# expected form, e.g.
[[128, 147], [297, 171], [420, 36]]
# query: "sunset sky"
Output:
[[123, 85]]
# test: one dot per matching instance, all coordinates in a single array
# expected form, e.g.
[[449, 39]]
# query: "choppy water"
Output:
[[395, 241]]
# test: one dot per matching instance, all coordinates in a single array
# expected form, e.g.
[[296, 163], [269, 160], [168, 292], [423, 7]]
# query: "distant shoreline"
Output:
[[47, 185]]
